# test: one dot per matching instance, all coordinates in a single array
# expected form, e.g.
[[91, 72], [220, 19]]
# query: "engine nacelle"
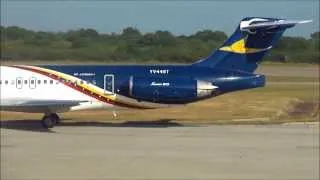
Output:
[[169, 90]]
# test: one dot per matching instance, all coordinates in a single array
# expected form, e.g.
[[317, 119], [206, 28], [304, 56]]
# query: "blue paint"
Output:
[[181, 79], [263, 38], [162, 89], [178, 84]]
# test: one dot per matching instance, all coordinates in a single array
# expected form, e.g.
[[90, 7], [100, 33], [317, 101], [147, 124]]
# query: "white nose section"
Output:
[[205, 88]]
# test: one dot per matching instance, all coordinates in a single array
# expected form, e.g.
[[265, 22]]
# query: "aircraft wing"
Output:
[[48, 103], [271, 24], [40, 106]]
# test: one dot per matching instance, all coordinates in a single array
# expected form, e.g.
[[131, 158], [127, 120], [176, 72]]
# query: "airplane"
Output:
[[52, 89]]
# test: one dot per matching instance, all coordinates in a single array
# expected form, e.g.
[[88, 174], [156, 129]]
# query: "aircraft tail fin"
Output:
[[246, 47]]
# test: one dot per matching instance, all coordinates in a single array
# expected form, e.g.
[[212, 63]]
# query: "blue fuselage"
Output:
[[170, 84]]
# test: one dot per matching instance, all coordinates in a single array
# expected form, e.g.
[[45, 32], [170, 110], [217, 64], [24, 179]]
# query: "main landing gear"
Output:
[[50, 120]]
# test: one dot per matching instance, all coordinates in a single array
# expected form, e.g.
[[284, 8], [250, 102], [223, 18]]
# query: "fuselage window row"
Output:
[[33, 81]]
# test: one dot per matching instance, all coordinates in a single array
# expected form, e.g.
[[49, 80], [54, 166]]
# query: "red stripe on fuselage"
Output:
[[80, 89]]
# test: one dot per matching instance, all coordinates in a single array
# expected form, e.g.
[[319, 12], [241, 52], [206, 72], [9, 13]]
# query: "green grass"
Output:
[[286, 64], [264, 103], [291, 79]]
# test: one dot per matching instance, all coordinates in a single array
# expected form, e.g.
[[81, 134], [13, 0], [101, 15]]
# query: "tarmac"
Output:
[[166, 150]]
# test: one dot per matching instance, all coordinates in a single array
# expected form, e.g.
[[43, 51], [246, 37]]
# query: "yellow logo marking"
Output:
[[239, 47]]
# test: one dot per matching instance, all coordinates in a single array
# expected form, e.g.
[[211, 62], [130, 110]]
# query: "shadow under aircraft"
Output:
[[33, 125]]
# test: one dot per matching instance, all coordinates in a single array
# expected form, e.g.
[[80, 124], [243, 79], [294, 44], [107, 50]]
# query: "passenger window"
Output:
[[51, 81], [39, 81], [6, 81], [44, 81], [0, 82], [32, 83], [25, 81], [19, 83]]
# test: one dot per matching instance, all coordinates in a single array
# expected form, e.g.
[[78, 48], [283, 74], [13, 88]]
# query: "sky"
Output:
[[178, 17]]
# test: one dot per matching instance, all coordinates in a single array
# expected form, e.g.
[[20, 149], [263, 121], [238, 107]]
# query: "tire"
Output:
[[48, 122], [55, 117]]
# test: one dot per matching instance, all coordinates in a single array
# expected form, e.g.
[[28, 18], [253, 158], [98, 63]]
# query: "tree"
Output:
[[15, 33], [81, 33], [131, 32], [208, 35], [315, 40], [164, 38], [20, 43], [293, 43], [315, 35], [149, 39], [91, 33]]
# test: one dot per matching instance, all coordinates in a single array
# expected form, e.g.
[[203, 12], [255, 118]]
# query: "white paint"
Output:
[[13, 94]]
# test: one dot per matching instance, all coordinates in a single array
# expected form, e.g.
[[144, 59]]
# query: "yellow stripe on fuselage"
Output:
[[115, 98], [72, 79]]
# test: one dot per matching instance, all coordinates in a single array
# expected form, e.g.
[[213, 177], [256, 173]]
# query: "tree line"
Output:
[[131, 45]]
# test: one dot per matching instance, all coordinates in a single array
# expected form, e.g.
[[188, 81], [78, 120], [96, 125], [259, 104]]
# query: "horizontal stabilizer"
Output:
[[263, 23]]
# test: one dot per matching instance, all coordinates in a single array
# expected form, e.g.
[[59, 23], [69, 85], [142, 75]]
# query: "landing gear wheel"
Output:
[[48, 122], [56, 117]]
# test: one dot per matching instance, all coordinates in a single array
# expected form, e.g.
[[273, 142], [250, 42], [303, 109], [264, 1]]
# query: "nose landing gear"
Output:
[[50, 120]]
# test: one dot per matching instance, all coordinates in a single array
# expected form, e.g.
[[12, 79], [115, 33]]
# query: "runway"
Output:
[[160, 151]]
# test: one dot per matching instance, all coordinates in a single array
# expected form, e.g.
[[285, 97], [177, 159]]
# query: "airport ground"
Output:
[[161, 151], [191, 142]]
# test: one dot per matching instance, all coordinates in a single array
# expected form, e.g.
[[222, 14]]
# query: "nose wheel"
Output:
[[50, 120]]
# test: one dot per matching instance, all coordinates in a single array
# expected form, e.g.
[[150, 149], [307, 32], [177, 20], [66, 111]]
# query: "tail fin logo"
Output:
[[240, 48]]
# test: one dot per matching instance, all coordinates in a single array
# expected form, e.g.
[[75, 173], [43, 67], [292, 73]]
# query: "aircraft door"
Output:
[[109, 84]]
